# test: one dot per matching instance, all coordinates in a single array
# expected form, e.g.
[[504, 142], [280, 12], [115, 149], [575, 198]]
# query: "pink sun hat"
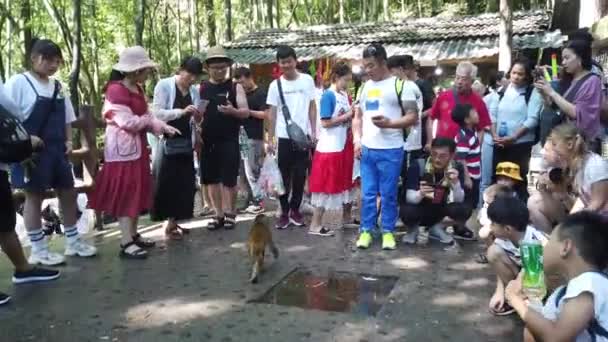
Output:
[[134, 58]]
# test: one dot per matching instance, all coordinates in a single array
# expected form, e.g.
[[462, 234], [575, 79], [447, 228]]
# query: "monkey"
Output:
[[259, 237]]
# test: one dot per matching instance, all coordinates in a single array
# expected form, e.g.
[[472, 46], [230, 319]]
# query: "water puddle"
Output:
[[361, 294]]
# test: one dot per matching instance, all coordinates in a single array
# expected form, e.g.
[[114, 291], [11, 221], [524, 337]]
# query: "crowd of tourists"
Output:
[[428, 161]]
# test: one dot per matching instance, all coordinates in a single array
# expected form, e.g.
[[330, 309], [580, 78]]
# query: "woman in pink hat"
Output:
[[124, 184]]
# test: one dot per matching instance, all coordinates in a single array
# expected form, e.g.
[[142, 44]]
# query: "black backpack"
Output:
[[15, 143]]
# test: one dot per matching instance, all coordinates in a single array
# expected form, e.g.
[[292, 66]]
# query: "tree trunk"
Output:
[[191, 36], [26, 16], [228, 13], [178, 32], [76, 54], [269, 13], [210, 14], [139, 22], [278, 13], [341, 11], [419, 8], [590, 13], [505, 44], [385, 12], [364, 10]]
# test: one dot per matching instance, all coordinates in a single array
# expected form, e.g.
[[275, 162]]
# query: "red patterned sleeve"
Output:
[[116, 93]]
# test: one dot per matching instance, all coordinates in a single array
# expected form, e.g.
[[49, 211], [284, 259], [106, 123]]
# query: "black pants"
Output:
[[293, 164], [428, 214], [8, 216], [519, 154]]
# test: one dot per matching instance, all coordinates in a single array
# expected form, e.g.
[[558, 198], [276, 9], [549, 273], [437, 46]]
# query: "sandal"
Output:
[[142, 242], [229, 221], [481, 258], [174, 234], [206, 211], [216, 223], [137, 253], [184, 231]]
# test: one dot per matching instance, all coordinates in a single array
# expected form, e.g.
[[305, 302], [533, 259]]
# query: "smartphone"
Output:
[[222, 99], [428, 178]]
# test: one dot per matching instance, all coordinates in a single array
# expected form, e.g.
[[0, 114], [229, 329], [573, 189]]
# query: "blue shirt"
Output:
[[515, 113]]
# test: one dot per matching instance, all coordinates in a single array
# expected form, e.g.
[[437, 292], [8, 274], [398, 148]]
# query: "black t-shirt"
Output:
[[254, 126], [415, 176], [217, 126]]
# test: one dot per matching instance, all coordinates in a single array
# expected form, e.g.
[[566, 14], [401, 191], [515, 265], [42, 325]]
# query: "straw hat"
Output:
[[217, 53], [509, 170], [132, 59]]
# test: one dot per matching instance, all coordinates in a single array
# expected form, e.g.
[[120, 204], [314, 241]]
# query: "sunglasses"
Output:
[[506, 169]]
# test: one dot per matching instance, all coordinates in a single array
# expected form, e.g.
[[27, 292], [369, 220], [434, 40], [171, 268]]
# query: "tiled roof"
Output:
[[410, 30]]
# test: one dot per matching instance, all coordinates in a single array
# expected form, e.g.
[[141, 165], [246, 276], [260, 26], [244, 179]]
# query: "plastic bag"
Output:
[[270, 183]]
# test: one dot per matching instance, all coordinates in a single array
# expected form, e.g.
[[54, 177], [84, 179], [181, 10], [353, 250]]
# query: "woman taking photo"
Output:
[[176, 101], [515, 117], [332, 165], [124, 184], [586, 172], [48, 114], [581, 102]]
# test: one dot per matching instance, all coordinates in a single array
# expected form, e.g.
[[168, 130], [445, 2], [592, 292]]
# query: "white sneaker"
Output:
[[80, 248], [45, 257], [411, 238]]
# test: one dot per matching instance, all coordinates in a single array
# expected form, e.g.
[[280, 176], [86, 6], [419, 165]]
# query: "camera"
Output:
[[556, 175]]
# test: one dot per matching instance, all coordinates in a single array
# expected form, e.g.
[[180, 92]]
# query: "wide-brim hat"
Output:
[[217, 53], [134, 58], [509, 170]]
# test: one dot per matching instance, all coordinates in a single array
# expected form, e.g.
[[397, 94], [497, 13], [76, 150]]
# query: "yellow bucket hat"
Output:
[[509, 170]]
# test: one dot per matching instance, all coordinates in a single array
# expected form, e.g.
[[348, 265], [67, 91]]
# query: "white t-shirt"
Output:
[[380, 98], [332, 104], [588, 282], [532, 234], [414, 136], [595, 169], [298, 93], [19, 89]]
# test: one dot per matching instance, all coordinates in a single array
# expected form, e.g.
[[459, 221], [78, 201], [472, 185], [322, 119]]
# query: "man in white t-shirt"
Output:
[[577, 251], [299, 93], [378, 136]]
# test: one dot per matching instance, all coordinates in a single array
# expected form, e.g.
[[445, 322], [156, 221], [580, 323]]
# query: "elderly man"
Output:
[[462, 92]]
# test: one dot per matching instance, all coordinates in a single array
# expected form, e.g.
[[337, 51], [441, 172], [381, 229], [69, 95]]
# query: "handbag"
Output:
[[15, 142], [296, 134], [177, 146]]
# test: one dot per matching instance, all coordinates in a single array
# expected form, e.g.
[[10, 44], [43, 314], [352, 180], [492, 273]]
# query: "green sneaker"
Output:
[[365, 239], [388, 241]]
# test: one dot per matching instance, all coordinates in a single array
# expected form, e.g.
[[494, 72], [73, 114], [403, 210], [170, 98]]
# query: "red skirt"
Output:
[[123, 189], [332, 172]]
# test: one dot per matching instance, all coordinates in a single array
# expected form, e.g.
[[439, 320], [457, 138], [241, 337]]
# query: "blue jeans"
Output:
[[487, 169], [380, 169]]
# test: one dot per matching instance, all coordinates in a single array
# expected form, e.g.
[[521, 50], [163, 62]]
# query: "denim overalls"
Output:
[[52, 169]]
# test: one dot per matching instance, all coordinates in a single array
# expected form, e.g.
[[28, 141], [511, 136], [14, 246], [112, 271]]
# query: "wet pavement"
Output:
[[320, 289]]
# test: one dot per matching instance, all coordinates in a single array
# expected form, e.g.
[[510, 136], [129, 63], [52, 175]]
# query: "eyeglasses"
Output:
[[506, 169]]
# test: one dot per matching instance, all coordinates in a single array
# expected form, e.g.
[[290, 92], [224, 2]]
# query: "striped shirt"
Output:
[[468, 151]]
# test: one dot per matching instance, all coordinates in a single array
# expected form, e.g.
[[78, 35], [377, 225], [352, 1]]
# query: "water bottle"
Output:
[[243, 143], [533, 283], [502, 130]]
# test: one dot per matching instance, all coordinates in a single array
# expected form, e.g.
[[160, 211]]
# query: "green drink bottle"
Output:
[[534, 277]]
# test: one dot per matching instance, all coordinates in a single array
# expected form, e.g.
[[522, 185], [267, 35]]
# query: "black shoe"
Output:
[[464, 233], [4, 298], [34, 275]]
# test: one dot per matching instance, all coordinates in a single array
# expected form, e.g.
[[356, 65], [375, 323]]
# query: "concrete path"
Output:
[[197, 290]]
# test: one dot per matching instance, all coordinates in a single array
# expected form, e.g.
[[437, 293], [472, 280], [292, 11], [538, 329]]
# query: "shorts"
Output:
[[8, 218], [220, 163], [510, 251], [52, 170]]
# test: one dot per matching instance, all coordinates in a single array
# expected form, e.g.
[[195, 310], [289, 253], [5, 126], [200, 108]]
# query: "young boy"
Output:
[[468, 149], [510, 217], [508, 173], [577, 250], [485, 233]]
